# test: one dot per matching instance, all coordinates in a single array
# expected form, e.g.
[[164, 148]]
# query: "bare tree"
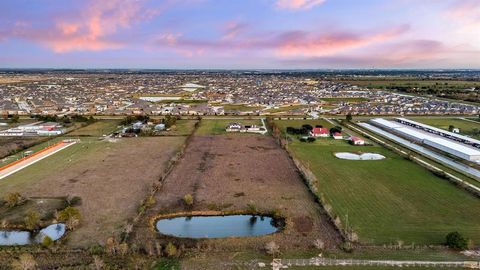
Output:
[[272, 248]]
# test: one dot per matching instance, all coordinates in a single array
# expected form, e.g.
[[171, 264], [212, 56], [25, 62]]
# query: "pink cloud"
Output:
[[466, 13], [311, 44], [284, 44], [298, 4], [91, 29]]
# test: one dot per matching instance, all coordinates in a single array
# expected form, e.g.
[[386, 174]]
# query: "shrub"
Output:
[[188, 200], [47, 241], [171, 250], [272, 248], [13, 199], [70, 216], [252, 208], [456, 241], [32, 220]]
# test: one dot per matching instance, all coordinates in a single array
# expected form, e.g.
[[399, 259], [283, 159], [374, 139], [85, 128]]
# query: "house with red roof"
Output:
[[319, 132]]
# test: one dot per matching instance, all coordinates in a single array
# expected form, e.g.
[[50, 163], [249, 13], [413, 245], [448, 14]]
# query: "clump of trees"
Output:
[[70, 216], [169, 121], [130, 119], [13, 199], [456, 241]]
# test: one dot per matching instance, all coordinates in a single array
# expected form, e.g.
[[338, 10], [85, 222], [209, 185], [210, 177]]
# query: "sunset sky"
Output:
[[243, 34]]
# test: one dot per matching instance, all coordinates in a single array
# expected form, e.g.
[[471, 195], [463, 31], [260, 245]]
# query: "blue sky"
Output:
[[240, 34]]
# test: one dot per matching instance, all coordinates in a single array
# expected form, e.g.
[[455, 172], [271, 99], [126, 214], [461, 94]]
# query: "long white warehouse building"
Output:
[[443, 144]]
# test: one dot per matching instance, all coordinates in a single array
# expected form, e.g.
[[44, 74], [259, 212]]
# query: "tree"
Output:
[[47, 241], [335, 129], [188, 200], [32, 220], [456, 241], [13, 199], [272, 248], [15, 119], [307, 127], [349, 117], [24, 262], [169, 121], [171, 250], [70, 216], [451, 128]]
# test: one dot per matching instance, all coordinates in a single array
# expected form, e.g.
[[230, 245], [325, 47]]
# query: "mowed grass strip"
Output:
[[389, 200], [217, 126]]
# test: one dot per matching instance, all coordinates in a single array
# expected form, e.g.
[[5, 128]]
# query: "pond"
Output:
[[13, 238], [218, 226]]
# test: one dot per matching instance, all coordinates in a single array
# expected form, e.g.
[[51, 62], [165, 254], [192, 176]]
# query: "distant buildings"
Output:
[[35, 129]]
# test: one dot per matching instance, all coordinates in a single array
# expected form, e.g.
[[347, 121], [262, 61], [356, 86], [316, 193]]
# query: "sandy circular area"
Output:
[[364, 156]]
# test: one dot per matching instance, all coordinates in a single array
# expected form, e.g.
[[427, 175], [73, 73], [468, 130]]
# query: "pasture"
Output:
[[389, 200]]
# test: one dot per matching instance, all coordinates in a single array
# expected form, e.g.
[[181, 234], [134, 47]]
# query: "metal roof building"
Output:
[[444, 144]]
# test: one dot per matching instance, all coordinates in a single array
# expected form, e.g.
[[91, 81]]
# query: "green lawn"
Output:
[[97, 129], [217, 127], [466, 127], [388, 200]]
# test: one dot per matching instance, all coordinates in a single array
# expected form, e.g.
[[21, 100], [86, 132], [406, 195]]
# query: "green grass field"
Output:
[[97, 129], [217, 127], [241, 107], [466, 127], [388, 200], [285, 109]]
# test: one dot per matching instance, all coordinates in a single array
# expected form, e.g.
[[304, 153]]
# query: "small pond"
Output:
[[13, 238], [218, 226]]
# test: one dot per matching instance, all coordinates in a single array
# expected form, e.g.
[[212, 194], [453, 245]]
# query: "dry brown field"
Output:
[[111, 178], [228, 173]]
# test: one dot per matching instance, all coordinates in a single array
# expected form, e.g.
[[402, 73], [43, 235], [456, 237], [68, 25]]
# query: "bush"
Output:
[[13, 199], [272, 248], [252, 208], [32, 220], [456, 241], [47, 241], [171, 250], [70, 216], [311, 139], [188, 200]]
